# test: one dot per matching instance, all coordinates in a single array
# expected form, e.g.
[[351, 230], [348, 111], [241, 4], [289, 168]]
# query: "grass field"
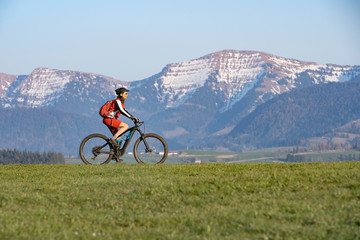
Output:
[[187, 201]]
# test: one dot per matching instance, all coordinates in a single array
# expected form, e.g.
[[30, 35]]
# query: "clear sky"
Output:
[[134, 39]]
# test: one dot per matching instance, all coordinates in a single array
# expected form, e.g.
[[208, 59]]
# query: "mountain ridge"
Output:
[[234, 72], [186, 102]]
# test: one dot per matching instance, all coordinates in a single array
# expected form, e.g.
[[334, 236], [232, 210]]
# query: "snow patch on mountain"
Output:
[[239, 95], [181, 80], [292, 67], [234, 72], [5, 82], [43, 86], [334, 73], [46, 87], [237, 66], [240, 71]]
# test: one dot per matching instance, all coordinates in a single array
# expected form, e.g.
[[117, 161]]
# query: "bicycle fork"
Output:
[[147, 148]]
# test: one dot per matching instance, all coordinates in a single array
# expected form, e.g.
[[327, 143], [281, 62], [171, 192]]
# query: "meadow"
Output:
[[181, 201]]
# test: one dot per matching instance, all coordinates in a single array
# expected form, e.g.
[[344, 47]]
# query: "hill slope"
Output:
[[301, 113], [45, 130]]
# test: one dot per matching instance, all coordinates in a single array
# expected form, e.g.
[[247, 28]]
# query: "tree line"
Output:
[[304, 158], [25, 157], [46, 130]]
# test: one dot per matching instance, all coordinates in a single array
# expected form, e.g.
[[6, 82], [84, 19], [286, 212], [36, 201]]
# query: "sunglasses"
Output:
[[125, 93]]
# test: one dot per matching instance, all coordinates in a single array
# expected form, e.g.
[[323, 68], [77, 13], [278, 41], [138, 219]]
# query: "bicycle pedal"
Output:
[[119, 160]]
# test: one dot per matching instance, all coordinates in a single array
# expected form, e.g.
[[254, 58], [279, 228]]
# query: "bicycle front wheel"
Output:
[[95, 149], [150, 148]]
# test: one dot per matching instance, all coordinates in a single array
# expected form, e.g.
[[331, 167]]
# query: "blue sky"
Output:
[[134, 39]]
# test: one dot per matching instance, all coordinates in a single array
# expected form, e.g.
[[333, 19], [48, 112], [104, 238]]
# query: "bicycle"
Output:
[[148, 148]]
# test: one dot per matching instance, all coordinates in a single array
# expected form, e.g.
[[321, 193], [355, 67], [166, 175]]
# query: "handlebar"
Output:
[[138, 123]]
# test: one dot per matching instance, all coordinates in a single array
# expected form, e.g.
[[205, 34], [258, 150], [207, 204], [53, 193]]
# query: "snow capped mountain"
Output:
[[283, 74], [5, 81], [233, 71], [66, 90], [186, 101], [231, 74], [42, 87], [228, 74], [219, 89]]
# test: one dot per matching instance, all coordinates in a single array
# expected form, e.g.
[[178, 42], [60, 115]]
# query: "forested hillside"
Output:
[[299, 114], [24, 157], [45, 130]]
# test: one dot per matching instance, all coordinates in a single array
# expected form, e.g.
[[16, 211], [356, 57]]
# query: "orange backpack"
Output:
[[107, 109]]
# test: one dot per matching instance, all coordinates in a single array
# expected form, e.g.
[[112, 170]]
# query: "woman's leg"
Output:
[[122, 128]]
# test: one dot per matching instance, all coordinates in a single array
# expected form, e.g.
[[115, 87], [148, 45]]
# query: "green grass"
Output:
[[202, 201]]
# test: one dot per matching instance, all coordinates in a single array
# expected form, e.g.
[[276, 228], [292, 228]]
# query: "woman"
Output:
[[116, 108]]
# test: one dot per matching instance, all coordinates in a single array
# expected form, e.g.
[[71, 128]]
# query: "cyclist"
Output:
[[117, 108]]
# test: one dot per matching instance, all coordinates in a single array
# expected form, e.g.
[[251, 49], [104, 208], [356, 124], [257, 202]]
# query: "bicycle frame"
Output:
[[128, 139]]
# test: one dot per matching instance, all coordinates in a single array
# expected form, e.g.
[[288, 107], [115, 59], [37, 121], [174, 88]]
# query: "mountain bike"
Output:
[[148, 148]]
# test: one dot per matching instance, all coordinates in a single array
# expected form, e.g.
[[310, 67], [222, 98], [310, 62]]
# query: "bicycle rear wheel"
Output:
[[95, 149], [156, 152]]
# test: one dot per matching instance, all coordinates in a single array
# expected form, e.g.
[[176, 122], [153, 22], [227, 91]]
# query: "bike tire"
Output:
[[158, 146], [95, 149]]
